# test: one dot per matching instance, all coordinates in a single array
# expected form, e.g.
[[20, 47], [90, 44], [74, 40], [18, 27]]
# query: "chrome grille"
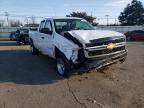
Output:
[[105, 51], [105, 41], [98, 47]]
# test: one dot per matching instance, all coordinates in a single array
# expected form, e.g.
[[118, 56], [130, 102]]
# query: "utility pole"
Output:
[[98, 19], [91, 13], [115, 21], [107, 19], [7, 15], [27, 21], [33, 20]]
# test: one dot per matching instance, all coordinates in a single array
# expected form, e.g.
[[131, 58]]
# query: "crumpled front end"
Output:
[[102, 52], [101, 62]]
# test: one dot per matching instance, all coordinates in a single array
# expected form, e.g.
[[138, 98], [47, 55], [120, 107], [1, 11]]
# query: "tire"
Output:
[[63, 65], [130, 39], [26, 41], [18, 41], [34, 50]]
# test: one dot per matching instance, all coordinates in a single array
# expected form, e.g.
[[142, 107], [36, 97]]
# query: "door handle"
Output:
[[42, 37]]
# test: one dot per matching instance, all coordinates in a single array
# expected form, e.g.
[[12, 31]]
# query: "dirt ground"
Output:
[[28, 81]]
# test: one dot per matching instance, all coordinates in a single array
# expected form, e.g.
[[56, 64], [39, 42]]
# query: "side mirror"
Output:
[[46, 31]]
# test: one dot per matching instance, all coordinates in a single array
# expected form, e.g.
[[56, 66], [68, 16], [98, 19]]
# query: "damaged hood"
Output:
[[85, 36]]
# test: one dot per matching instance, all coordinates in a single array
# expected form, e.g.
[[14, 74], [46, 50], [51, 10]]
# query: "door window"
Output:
[[48, 25], [41, 26]]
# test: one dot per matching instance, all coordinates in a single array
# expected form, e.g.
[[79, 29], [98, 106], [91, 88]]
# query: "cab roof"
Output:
[[62, 18]]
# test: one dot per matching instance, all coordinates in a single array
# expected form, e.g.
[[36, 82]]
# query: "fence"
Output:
[[5, 31], [122, 29]]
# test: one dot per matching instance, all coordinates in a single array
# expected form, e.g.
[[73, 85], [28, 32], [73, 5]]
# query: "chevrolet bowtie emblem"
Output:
[[111, 46]]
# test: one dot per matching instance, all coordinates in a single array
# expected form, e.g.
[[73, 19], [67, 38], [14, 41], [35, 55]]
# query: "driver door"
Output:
[[47, 39]]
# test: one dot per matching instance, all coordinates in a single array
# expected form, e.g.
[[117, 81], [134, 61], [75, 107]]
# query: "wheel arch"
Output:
[[56, 51]]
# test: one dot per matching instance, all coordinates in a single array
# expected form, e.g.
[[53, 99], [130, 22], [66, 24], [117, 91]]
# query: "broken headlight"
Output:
[[74, 56]]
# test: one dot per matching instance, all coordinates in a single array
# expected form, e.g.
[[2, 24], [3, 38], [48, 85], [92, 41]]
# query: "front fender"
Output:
[[67, 47]]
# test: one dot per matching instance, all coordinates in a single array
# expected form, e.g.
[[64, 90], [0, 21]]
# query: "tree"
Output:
[[82, 15], [133, 14], [15, 23]]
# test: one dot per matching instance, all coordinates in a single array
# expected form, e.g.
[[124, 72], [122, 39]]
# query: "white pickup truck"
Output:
[[74, 43]]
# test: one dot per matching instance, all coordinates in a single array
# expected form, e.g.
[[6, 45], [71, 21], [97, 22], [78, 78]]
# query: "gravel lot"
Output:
[[28, 81]]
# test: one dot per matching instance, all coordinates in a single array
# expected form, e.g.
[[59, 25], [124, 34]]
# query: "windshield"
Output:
[[72, 24]]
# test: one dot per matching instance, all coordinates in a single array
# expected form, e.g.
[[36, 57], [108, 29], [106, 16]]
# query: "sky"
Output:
[[44, 8]]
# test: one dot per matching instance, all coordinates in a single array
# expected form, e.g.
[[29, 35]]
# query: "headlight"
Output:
[[74, 56]]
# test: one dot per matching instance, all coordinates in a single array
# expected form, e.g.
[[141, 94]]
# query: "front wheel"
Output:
[[63, 65]]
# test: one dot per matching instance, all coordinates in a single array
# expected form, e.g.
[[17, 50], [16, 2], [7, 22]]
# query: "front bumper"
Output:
[[96, 63]]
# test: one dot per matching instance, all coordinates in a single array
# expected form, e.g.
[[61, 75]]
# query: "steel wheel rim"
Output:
[[60, 66]]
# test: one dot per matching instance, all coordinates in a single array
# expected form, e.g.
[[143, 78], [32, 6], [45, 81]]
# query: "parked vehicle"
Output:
[[22, 36], [75, 44], [12, 36], [134, 35]]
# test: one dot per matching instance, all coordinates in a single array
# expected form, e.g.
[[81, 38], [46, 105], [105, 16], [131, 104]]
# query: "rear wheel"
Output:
[[63, 65], [34, 50]]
